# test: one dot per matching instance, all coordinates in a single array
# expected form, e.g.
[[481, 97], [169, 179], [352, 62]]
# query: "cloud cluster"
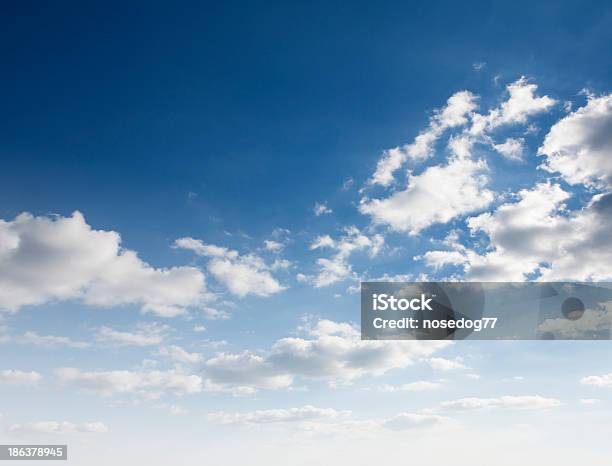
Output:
[[458, 186], [437, 195], [327, 420], [59, 428], [579, 146], [45, 259], [593, 321], [453, 114], [242, 274], [337, 267], [333, 352], [604, 381], [177, 354], [522, 103], [17, 377], [146, 384], [536, 234]]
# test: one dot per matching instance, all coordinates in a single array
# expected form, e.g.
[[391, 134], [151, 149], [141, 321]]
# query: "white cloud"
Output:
[[149, 384], [592, 321], [59, 428], [439, 259], [242, 275], [512, 148], [215, 314], [280, 264], [437, 195], [321, 208], [536, 234], [454, 114], [526, 402], [443, 192], [409, 421], [420, 386], [270, 416], [604, 381], [273, 246], [328, 421], [334, 353], [44, 259], [49, 341], [199, 328], [16, 377], [143, 335], [522, 234], [244, 373], [521, 104], [443, 364], [178, 354], [337, 267], [579, 145]]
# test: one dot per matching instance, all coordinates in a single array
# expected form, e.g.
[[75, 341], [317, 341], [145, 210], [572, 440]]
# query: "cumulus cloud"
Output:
[[273, 246], [178, 354], [522, 234], [439, 259], [526, 402], [270, 416], [148, 384], [45, 259], [17, 377], [458, 186], [337, 267], [59, 428], [604, 381], [522, 103], [143, 335], [437, 195], [537, 234], [512, 148], [241, 274], [333, 352], [579, 145], [454, 114]]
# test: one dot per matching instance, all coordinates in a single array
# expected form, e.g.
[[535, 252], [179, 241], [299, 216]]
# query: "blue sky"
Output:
[[230, 165]]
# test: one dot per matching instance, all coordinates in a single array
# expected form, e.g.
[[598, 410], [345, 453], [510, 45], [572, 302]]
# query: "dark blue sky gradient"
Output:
[[259, 108]]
